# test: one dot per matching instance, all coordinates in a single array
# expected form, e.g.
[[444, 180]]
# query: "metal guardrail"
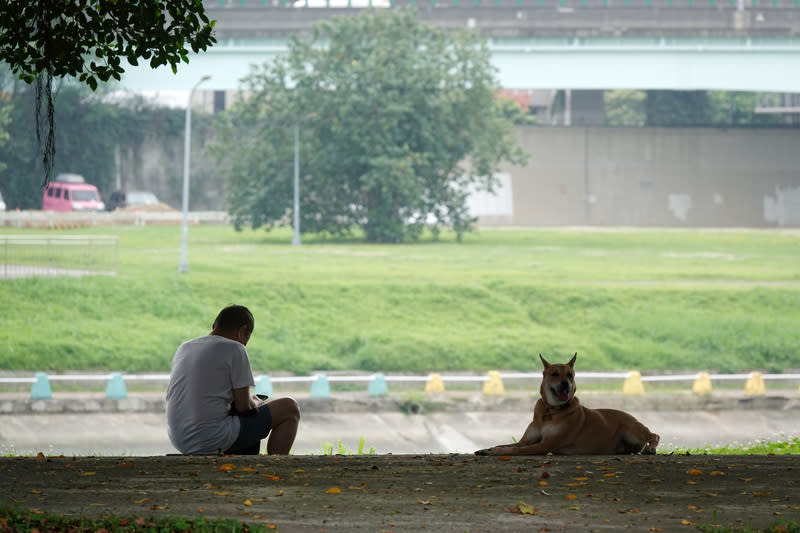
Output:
[[82, 219], [434, 383], [63, 255]]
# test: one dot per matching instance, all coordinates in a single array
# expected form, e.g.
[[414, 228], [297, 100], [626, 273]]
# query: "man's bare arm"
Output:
[[242, 400]]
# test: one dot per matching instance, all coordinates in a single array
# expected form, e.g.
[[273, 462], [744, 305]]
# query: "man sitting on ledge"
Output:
[[210, 410]]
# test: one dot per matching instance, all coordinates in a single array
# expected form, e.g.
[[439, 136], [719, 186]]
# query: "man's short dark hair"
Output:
[[234, 317]]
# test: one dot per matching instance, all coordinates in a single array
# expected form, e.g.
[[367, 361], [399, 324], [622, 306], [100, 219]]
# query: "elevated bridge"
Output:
[[748, 45]]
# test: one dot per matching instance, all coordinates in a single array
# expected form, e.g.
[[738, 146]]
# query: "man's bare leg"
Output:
[[285, 419]]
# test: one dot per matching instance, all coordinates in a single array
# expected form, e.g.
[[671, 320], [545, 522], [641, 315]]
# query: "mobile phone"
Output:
[[262, 397]]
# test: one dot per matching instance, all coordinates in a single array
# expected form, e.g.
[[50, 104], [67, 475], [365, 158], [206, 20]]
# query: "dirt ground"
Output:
[[419, 492]]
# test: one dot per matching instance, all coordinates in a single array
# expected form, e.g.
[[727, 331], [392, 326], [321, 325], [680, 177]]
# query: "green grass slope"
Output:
[[623, 299]]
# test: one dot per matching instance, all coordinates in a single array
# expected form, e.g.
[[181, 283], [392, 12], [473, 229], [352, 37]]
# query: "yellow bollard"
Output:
[[754, 386], [494, 385], [633, 384], [702, 385], [434, 385]]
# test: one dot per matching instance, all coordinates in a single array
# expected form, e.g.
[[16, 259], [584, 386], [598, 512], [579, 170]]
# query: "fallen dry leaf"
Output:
[[334, 490], [694, 472], [571, 497], [247, 503], [227, 467]]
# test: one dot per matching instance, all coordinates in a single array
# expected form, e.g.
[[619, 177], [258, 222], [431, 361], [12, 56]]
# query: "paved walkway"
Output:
[[442, 493]]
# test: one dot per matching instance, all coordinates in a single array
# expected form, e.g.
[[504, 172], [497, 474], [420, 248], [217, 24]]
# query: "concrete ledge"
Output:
[[451, 402]]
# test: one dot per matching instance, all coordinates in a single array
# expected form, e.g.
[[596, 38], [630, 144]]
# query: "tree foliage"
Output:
[[389, 110], [677, 108], [90, 129], [718, 109], [42, 40]]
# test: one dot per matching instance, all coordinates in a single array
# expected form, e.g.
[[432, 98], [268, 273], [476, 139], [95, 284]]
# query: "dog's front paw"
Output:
[[485, 451]]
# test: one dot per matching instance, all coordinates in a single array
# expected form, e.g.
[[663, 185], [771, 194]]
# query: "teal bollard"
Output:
[[264, 386], [116, 390], [40, 390], [320, 388], [377, 386]]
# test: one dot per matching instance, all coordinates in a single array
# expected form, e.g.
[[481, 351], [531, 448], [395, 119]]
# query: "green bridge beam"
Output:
[[743, 64]]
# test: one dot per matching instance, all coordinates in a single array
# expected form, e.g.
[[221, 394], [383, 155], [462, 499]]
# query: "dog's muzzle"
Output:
[[562, 391]]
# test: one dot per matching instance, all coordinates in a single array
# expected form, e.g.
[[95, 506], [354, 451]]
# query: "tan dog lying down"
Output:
[[561, 425]]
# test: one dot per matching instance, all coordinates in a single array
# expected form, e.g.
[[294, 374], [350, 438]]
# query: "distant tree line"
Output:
[[90, 127], [686, 109]]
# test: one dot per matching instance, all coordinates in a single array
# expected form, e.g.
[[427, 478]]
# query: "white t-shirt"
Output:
[[204, 373]]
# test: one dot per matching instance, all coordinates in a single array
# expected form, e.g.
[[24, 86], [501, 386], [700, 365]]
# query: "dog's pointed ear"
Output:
[[572, 361], [544, 362]]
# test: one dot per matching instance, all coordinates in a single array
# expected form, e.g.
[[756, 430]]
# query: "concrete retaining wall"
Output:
[[656, 177]]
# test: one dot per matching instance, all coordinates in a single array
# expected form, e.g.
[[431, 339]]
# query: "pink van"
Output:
[[70, 192]]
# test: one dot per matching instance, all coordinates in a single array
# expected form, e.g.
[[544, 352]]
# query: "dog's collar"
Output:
[[561, 407]]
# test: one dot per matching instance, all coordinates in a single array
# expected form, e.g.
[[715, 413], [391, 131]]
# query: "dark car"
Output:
[[116, 200]]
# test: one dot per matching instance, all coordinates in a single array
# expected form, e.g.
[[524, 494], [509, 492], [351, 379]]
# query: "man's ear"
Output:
[[243, 334], [544, 362], [572, 361]]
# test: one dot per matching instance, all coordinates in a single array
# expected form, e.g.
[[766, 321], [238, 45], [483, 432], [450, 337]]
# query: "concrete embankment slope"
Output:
[[81, 424]]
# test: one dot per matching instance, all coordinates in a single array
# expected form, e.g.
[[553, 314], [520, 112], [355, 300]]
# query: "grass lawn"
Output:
[[651, 300]]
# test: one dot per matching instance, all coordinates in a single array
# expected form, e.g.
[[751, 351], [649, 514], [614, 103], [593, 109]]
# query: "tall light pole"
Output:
[[296, 238], [184, 264]]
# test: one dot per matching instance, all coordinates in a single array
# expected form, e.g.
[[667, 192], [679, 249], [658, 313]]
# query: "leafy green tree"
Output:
[[389, 110], [515, 112], [90, 129], [677, 108], [5, 115], [625, 108], [46, 39], [737, 109], [689, 108]]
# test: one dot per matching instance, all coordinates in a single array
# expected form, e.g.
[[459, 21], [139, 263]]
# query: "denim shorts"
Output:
[[253, 428]]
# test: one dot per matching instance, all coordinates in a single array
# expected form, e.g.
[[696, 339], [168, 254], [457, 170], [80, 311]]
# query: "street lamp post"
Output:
[[296, 238], [184, 264]]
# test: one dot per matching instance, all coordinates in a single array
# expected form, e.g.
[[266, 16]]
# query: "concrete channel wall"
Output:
[[655, 177], [457, 422]]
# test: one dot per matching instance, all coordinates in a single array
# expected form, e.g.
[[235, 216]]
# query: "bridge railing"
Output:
[[378, 383], [574, 4]]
